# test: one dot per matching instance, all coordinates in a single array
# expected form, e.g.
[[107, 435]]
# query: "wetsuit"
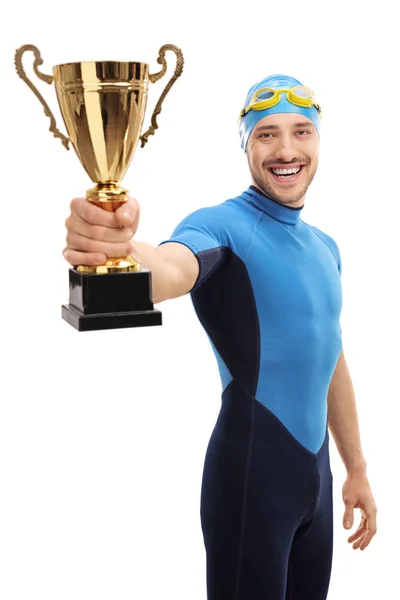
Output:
[[269, 297]]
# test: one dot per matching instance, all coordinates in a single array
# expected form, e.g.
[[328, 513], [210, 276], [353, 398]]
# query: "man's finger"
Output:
[[357, 544], [84, 244], [371, 527], [371, 513], [74, 257], [93, 214], [76, 224], [368, 537], [360, 532]]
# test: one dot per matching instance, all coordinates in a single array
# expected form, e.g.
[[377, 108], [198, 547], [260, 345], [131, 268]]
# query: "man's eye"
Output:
[[303, 132], [265, 135]]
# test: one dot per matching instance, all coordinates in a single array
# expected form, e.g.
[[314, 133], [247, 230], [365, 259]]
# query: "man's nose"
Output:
[[285, 149]]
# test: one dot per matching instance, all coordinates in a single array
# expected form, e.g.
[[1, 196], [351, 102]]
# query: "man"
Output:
[[266, 287]]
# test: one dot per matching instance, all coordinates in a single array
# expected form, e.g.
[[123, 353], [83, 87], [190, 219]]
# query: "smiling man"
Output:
[[285, 182], [266, 287]]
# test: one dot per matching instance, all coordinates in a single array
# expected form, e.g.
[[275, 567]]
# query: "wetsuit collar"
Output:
[[280, 212]]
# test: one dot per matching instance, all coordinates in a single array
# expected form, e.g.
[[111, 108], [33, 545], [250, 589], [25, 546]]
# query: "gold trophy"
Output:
[[103, 105]]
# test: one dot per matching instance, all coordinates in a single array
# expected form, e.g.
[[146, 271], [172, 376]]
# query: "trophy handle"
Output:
[[155, 77], [47, 78]]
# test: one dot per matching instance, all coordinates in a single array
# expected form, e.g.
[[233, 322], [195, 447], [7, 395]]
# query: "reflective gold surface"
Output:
[[103, 104], [112, 265], [106, 193], [155, 77], [46, 78]]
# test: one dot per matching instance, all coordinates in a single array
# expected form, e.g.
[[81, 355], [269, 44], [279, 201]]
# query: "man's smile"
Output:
[[286, 174]]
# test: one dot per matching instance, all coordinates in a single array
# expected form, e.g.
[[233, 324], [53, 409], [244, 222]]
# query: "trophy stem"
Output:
[[110, 196]]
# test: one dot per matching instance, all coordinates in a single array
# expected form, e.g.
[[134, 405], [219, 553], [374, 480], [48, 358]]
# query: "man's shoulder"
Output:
[[227, 218], [329, 241], [322, 234], [228, 209], [229, 223]]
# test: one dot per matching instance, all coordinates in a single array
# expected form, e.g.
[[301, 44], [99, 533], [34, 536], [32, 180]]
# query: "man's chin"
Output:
[[288, 196]]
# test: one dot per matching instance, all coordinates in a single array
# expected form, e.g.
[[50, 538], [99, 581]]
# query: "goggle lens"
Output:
[[303, 92], [265, 95]]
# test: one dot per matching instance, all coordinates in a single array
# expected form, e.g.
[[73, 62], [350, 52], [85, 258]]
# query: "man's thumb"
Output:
[[348, 518], [126, 214]]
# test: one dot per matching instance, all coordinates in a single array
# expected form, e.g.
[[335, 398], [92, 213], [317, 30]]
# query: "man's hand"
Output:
[[357, 494], [94, 234]]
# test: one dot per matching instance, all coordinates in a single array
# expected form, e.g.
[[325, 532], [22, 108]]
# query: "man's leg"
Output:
[[258, 484], [310, 557], [247, 550]]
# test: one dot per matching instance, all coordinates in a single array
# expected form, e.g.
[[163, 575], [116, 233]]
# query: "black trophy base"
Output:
[[111, 301], [83, 322]]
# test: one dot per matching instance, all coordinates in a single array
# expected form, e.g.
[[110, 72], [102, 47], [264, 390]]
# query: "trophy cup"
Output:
[[103, 105]]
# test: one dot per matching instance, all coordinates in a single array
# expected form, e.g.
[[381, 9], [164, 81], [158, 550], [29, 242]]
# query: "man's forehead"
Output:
[[280, 120]]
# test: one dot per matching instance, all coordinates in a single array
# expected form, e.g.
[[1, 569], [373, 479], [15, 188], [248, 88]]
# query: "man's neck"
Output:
[[294, 205]]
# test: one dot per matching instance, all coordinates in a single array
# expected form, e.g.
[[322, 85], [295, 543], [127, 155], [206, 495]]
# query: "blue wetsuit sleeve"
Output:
[[339, 262], [332, 245], [200, 232], [335, 250]]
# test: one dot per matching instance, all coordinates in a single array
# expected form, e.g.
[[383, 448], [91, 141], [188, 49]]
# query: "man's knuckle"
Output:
[[91, 215], [91, 245], [78, 205], [128, 234], [96, 232], [71, 257], [90, 259]]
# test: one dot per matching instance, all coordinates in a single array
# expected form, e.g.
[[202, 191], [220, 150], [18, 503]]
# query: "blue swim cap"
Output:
[[248, 122]]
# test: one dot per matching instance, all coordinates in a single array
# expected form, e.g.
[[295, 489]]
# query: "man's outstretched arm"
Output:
[[343, 424], [93, 235]]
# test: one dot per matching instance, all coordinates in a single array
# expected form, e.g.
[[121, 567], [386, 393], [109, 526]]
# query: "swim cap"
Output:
[[248, 122]]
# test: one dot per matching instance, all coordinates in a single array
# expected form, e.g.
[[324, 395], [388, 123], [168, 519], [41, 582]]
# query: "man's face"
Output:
[[282, 152]]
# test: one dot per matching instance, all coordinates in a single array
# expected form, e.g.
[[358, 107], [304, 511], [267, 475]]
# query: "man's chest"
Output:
[[295, 278]]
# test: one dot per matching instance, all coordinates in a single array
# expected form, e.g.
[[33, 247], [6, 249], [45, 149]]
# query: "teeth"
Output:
[[286, 171]]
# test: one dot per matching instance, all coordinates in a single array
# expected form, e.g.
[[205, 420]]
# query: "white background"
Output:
[[103, 435]]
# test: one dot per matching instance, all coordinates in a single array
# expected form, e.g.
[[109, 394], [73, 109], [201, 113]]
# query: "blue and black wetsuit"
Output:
[[269, 298]]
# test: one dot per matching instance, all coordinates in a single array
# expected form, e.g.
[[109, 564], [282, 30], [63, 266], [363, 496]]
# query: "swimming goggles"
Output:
[[264, 98]]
